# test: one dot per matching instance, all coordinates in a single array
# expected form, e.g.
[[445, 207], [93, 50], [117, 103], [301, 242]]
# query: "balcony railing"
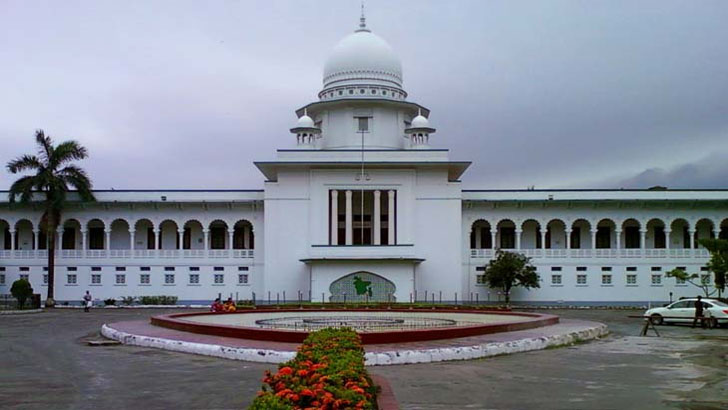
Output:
[[597, 253], [129, 254]]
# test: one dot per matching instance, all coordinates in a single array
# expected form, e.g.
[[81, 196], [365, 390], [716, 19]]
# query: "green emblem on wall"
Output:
[[362, 287]]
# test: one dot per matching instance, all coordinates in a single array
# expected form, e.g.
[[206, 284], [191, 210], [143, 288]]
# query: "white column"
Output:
[[667, 238], [334, 217], [84, 240], [206, 234], [692, 238], [377, 217], [246, 236], [36, 234], [231, 232], [568, 239], [349, 216], [594, 238], [493, 233], [59, 238], [157, 244], [181, 236], [643, 239], [131, 240], [107, 243], [716, 233], [391, 222], [543, 239], [618, 234], [13, 238], [518, 238]]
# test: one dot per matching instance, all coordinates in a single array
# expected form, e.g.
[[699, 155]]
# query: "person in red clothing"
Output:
[[216, 306]]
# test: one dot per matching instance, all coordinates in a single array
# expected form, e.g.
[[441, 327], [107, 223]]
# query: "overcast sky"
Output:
[[556, 94]]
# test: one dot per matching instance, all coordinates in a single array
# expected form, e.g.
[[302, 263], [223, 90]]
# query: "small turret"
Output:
[[306, 131], [419, 132]]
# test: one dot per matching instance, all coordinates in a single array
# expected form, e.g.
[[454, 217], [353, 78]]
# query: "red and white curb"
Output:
[[593, 331]]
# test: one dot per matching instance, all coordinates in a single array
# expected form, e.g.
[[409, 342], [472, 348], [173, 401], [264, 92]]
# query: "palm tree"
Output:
[[53, 175]]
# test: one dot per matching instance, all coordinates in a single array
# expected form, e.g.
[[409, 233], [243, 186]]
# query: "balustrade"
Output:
[[128, 254]]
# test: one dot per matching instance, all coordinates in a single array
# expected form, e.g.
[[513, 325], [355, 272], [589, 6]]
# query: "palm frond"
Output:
[[45, 145], [22, 188], [77, 177], [67, 151], [26, 162]]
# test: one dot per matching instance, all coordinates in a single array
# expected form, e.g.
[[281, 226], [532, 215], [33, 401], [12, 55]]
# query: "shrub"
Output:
[[327, 373], [128, 300], [158, 300], [21, 290], [110, 302]]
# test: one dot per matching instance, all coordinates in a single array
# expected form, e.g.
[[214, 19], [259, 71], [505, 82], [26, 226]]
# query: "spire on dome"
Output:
[[362, 19]]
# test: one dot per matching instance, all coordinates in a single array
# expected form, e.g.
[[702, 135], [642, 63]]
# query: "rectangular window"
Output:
[[71, 279], [556, 279], [656, 268], [194, 278], [2, 268], [2, 278], [144, 268], [144, 279], [581, 268], [657, 280], [631, 279], [606, 279], [362, 218], [121, 279], [71, 268], [95, 279], [121, 268], [25, 269], [480, 269], [556, 268], [606, 268], [480, 279], [679, 281], [169, 279], [194, 268], [219, 278], [243, 278], [45, 279], [96, 269], [362, 124], [25, 277], [631, 269], [581, 279], [219, 268], [704, 268], [169, 268], [243, 268]]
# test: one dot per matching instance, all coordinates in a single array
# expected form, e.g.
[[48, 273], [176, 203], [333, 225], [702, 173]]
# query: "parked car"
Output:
[[683, 311]]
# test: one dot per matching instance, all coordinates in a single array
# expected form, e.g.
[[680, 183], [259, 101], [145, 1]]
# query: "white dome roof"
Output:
[[420, 122], [363, 58], [305, 122]]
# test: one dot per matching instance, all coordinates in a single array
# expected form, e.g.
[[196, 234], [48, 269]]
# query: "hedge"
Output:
[[327, 373]]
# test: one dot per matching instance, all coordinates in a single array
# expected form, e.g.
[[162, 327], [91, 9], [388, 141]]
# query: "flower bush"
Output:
[[327, 373]]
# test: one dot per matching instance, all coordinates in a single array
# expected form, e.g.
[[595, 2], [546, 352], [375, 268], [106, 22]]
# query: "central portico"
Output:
[[350, 199]]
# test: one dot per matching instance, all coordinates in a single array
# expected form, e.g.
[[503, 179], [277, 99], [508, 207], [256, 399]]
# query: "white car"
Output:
[[683, 311]]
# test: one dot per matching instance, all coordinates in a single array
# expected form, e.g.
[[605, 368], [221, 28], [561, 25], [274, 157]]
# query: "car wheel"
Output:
[[656, 319]]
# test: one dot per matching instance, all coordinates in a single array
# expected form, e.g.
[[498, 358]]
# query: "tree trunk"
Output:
[[51, 235], [507, 292]]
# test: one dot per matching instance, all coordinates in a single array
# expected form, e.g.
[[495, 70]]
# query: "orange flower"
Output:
[[285, 371]]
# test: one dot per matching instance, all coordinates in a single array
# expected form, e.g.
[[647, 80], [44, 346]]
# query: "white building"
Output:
[[362, 197]]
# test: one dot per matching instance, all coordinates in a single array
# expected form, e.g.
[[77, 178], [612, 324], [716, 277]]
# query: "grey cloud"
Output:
[[710, 172]]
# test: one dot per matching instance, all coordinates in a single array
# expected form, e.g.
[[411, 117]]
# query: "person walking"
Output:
[[699, 313], [87, 301]]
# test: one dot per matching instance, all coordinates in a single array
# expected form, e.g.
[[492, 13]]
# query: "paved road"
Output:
[[44, 364]]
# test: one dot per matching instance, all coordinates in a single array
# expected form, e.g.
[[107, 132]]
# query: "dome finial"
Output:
[[363, 19]]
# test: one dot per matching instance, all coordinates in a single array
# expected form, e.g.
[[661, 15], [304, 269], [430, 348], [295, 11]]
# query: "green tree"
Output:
[[21, 290], [692, 278], [718, 263], [508, 270], [49, 184]]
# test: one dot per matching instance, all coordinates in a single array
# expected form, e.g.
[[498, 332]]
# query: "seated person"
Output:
[[229, 305], [217, 306]]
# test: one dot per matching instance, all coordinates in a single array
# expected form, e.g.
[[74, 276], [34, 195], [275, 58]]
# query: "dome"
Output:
[[305, 122], [420, 122], [363, 59]]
